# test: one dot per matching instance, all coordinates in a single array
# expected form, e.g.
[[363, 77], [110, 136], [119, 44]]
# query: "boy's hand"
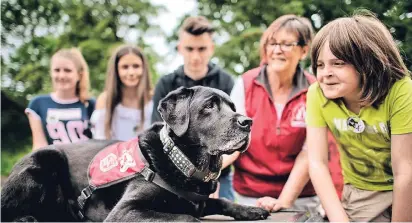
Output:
[[216, 193], [271, 204]]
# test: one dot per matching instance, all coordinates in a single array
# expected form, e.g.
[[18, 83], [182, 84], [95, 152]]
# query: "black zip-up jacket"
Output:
[[216, 77]]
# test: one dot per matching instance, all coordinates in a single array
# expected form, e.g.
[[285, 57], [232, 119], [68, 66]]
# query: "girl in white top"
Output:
[[123, 110]]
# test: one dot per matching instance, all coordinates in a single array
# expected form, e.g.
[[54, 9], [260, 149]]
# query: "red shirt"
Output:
[[265, 167]]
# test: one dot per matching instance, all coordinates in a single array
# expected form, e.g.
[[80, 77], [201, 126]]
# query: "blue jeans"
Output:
[[226, 187]]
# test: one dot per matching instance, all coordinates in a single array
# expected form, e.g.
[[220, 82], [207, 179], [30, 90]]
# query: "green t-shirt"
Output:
[[365, 156]]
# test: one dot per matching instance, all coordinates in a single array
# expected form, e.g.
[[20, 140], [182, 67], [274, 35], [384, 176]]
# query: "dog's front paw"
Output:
[[251, 213], [184, 218], [26, 219]]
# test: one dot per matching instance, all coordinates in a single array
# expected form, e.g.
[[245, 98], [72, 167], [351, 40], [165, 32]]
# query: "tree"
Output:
[[94, 26], [33, 30], [238, 19], [25, 19]]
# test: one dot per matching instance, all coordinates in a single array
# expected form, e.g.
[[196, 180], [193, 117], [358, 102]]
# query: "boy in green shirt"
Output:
[[364, 96]]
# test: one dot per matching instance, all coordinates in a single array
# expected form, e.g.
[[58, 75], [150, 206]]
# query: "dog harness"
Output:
[[114, 164], [124, 160]]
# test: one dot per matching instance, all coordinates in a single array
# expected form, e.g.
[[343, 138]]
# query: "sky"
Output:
[[167, 21]]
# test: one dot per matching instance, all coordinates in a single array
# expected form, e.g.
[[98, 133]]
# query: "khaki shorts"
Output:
[[365, 206]]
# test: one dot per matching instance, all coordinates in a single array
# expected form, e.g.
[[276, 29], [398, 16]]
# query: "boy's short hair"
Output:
[[363, 41], [196, 25]]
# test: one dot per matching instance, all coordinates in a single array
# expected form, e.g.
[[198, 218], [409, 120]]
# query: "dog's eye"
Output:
[[210, 105]]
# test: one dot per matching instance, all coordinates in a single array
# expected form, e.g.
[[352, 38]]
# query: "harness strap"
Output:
[[151, 176], [82, 199]]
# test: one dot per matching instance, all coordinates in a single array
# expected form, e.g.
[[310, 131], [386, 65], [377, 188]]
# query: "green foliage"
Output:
[[8, 159], [33, 30], [29, 69], [240, 51], [93, 26], [22, 18], [238, 18]]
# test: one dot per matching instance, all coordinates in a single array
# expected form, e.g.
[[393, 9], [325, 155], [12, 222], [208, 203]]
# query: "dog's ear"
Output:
[[174, 109]]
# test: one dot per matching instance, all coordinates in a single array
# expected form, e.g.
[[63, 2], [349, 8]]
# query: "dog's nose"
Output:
[[244, 122]]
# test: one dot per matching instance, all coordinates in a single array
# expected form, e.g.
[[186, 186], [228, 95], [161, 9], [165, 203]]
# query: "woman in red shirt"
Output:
[[273, 172]]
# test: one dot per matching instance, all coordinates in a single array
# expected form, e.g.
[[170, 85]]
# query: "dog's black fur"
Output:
[[202, 122]]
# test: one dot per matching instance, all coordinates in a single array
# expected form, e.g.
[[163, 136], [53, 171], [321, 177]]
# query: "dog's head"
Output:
[[207, 117]]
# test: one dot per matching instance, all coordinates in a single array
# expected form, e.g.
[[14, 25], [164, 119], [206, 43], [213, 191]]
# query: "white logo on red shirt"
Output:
[[298, 116]]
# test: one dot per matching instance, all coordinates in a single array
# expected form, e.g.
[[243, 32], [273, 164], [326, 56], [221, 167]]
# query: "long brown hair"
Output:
[[113, 86], [364, 41], [300, 26], [82, 87]]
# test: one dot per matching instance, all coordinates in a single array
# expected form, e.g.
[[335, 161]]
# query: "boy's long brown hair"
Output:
[[113, 87], [363, 41]]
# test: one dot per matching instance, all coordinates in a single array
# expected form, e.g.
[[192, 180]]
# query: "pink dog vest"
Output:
[[115, 163], [119, 162]]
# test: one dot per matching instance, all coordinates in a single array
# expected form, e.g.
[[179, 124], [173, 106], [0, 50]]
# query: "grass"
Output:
[[8, 159]]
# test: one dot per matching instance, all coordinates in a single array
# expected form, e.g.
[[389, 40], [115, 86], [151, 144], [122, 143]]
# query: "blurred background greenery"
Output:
[[97, 26]]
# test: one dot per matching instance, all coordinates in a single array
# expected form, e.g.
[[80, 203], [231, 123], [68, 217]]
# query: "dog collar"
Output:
[[181, 161]]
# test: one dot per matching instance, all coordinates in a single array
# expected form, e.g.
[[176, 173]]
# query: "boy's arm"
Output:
[[238, 97], [401, 152], [297, 180], [317, 140], [229, 159]]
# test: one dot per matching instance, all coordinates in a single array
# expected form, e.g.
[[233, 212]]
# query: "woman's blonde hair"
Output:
[[300, 26], [113, 85], [82, 87], [363, 41]]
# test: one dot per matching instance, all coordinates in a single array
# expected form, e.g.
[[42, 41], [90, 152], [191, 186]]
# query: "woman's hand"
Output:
[[272, 204]]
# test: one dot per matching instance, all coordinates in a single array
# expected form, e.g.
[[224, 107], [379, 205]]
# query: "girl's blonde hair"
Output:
[[74, 54], [113, 87], [363, 41]]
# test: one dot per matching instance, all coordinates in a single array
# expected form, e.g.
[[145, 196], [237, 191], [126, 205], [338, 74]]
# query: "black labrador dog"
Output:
[[200, 125]]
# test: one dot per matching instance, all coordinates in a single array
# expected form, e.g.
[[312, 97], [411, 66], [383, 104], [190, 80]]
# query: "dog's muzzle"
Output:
[[244, 123], [181, 161]]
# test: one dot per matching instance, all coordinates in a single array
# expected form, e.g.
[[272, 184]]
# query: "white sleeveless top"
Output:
[[125, 122]]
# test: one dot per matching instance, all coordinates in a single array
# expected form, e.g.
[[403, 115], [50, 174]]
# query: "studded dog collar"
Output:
[[181, 161]]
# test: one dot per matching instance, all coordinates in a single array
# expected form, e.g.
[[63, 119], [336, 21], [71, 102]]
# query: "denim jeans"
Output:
[[226, 187]]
